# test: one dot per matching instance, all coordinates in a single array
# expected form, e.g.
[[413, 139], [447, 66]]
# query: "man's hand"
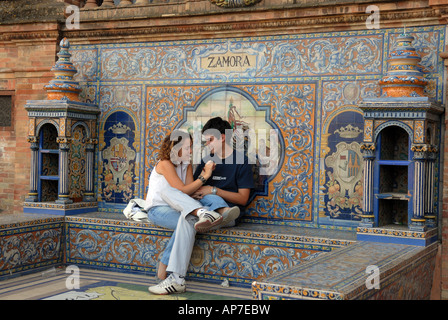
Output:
[[201, 192]]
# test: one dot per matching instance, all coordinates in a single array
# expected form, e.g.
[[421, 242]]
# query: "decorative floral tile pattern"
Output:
[[240, 256], [307, 86], [27, 244]]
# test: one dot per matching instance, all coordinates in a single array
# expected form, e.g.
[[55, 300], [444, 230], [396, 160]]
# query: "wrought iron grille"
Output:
[[5, 111]]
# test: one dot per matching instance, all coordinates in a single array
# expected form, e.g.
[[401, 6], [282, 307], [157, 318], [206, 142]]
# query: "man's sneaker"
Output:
[[207, 220], [168, 286], [228, 218], [230, 215]]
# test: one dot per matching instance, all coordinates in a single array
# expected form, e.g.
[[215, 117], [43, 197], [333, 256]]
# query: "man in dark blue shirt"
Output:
[[232, 178]]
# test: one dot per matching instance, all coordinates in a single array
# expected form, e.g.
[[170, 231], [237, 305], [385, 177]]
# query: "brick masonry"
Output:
[[444, 215], [28, 51], [24, 69]]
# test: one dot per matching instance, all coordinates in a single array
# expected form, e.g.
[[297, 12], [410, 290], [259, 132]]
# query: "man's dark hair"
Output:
[[217, 123]]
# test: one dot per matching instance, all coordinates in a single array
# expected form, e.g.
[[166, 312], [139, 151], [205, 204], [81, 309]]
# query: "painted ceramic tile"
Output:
[[29, 245], [307, 86], [291, 186], [239, 256], [85, 62], [117, 164], [77, 163]]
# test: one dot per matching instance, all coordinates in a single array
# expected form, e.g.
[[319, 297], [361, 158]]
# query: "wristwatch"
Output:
[[202, 179], [214, 190]]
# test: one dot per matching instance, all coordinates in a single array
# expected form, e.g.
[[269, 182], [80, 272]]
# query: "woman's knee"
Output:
[[164, 216]]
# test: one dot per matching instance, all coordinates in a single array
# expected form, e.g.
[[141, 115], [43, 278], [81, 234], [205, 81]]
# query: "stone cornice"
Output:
[[195, 9], [169, 21], [269, 22], [19, 36], [30, 31]]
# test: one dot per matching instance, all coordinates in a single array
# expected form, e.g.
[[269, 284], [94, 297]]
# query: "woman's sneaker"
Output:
[[168, 286], [207, 220]]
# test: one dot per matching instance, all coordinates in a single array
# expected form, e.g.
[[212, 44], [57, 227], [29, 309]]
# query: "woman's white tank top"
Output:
[[157, 183]]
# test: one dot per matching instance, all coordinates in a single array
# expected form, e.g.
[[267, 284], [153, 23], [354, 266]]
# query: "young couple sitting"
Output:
[[178, 199]]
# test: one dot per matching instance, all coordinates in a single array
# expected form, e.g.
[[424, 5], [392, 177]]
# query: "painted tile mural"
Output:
[[304, 88]]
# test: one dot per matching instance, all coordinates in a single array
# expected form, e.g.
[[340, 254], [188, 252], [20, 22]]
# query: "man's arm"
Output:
[[240, 198]]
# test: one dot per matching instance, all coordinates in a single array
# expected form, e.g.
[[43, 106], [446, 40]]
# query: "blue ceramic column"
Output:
[[89, 195], [430, 217], [63, 194], [368, 217], [33, 194], [418, 219]]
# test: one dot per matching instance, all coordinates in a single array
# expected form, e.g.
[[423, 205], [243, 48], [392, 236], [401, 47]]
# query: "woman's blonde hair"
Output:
[[171, 145]]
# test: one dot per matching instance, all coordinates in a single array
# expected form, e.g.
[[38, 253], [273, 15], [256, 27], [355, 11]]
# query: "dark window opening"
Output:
[[5, 111]]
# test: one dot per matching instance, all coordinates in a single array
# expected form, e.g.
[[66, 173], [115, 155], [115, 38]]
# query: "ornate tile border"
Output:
[[51, 208], [397, 236]]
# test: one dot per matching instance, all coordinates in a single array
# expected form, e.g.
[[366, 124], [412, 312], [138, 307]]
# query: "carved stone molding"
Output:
[[11, 36], [234, 3], [298, 24]]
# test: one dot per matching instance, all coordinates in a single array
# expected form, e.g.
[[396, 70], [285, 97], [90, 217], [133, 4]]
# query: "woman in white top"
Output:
[[169, 205]]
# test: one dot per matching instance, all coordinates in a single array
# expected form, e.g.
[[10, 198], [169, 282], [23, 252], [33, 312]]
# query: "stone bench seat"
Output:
[[277, 262], [109, 241], [240, 254], [403, 272]]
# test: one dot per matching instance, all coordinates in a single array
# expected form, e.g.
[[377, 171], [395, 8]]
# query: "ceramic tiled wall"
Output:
[[305, 86]]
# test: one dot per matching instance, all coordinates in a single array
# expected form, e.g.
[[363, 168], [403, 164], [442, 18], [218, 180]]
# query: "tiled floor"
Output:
[[60, 284]]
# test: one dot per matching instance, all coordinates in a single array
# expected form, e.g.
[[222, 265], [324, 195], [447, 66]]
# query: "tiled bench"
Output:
[[279, 262], [404, 272], [29, 243], [240, 254]]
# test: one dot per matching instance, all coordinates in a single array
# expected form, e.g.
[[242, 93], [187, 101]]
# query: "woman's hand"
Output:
[[208, 169], [201, 192]]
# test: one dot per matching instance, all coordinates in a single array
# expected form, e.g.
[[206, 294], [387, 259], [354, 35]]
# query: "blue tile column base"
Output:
[[54, 208]]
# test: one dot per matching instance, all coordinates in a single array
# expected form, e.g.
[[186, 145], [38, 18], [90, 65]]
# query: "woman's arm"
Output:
[[167, 169]]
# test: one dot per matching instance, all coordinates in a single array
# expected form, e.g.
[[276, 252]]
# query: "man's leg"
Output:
[[216, 203], [164, 216], [213, 202]]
